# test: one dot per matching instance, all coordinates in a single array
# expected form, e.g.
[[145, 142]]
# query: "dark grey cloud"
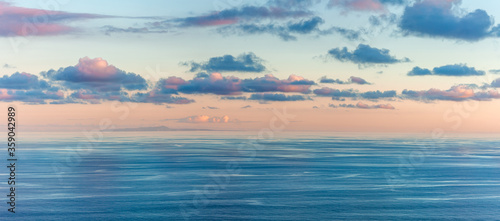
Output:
[[288, 32], [339, 95], [217, 84], [30, 96], [456, 70], [378, 94], [234, 98], [23, 81], [94, 97], [245, 13], [247, 62], [438, 19], [351, 80], [365, 55], [158, 98], [330, 92], [96, 74]]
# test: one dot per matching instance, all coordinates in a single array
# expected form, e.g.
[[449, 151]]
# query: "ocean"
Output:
[[237, 176]]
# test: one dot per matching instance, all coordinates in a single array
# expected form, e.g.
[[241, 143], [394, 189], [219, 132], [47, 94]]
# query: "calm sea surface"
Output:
[[209, 176]]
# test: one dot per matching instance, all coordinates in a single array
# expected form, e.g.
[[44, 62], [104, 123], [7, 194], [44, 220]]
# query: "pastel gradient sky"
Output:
[[336, 65]]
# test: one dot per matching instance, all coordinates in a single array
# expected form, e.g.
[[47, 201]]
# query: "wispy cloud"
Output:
[[361, 105], [21, 21]]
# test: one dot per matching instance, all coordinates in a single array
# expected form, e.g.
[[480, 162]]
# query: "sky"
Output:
[[335, 65]]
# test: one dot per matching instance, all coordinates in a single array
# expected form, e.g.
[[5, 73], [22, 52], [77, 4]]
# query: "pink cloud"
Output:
[[206, 119], [172, 82], [359, 5], [4, 95], [217, 22], [455, 93], [96, 68], [20, 21], [358, 80], [385, 106]]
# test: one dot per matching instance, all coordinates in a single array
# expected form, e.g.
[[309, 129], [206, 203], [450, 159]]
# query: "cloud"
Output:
[[383, 19], [350, 93], [234, 98], [277, 97], [457, 70], [435, 18], [455, 93], [214, 84], [373, 95], [282, 18], [247, 62], [84, 96], [357, 80], [217, 84], [365, 55], [360, 5], [417, 71], [245, 13], [378, 106], [327, 80], [293, 4], [108, 29], [211, 108], [8, 66], [159, 98], [330, 92], [30, 96], [361, 105], [495, 83], [288, 31], [447, 70], [365, 5], [20, 21], [96, 74], [23, 81], [495, 71], [205, 119], [352, 80]]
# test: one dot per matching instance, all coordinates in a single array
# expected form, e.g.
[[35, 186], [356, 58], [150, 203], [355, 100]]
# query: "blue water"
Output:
[[209, 176]]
